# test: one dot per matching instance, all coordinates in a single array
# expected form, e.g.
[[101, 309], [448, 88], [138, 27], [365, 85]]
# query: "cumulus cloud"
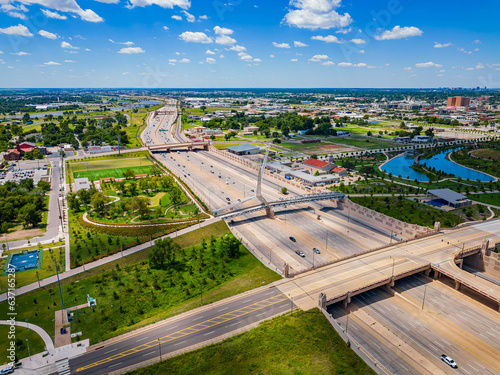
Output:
[[189, 16], [47, 34], [399, 32], [21, 53], [20, 30], [210, 60], [299, 44], [316, 14], [294, 60], [15, 11], [328, 63], [358, 41], [223, 31], [51, 63], [326, 39], [203, 17], [257, 60], [131, 50], [477, 41], [178, 18], [319, 58], [442, 45], [225, 40], [184, 60], [348, 64], [238, 48], [69, 61], [195, 37], [245, 56], [165, 28], [68, 46], [208, 52], [281, 45], [54, 15], [168, 4], [429, 64]]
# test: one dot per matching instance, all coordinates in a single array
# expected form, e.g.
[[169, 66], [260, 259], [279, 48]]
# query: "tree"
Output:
[[26, 118], [128, 174], [369, 134], [43, 185], [98, 201], [141, 205], [175, 195], [284, 190], [30, 216], [316, 173], [161, 254]]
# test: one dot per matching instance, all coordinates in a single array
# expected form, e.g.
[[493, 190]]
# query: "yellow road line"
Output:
[[193, 329]]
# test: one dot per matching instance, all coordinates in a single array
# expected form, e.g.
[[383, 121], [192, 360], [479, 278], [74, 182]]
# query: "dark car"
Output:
[[293, 239], [448, 361], [7, 370], [316, 251]]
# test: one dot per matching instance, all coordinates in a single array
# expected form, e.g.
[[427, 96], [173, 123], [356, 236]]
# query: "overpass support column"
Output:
[[347, 300], [389, 285], [270, 212], [459, 263], [436, 274], [286, 270], [322, 301], [340, 203], [457, 285], [427, 272]]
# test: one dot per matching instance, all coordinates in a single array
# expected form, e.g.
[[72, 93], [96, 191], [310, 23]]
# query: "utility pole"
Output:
[[393, 260], [423, 300], [159, 347]]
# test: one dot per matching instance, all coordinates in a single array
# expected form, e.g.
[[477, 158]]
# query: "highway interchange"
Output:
[[390, 325]]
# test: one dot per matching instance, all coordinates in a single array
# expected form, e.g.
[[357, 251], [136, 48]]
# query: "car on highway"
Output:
[[228, 199], [316, 250], [450, 362], [293, 239], [300, 253]]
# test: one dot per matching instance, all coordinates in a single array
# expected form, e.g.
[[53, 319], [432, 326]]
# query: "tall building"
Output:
[[458, 101]]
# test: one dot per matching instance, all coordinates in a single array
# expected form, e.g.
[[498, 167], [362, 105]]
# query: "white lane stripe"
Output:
[[200, 317], [179, 343], [234, 324], [112, 350], [148, 353], [168, 329], [225, 308], [144, 338], [208, 333], [116, 364]]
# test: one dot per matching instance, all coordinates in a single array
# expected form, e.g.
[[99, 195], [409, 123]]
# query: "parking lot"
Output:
[[19, 171]]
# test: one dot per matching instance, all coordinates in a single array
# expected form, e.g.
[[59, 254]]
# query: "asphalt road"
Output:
[[176, 334]]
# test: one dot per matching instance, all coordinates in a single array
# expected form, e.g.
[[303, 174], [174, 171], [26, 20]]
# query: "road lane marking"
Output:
[[112, 350], [179, 343], [116, 364], [200, 317], [144, 338], [168, 329], [148, 354], [193, 329], [234, 324], [209, 333]]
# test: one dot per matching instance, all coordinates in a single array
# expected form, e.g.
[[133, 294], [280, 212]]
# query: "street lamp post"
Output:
[[38, 279], [159, 347], [393, 261], [423, 300], [28, 343]]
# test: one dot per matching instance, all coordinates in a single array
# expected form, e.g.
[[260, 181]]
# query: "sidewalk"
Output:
[[49, 345], [97, 263]]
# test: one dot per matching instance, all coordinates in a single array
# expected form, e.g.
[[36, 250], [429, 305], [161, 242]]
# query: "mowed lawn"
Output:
[[95, 170]]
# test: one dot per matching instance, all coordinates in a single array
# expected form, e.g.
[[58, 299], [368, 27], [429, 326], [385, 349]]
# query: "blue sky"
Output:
[[249, 43]]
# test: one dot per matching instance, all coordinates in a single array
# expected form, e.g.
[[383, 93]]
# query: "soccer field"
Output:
[[112, 172]]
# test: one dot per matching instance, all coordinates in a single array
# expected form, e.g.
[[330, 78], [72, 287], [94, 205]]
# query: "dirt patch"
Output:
[[25, 234], [338, 148]]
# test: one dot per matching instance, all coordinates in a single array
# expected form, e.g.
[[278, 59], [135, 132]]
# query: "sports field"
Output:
[[95, 170]]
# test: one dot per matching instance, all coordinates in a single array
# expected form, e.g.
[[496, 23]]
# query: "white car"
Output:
[[450, 362]]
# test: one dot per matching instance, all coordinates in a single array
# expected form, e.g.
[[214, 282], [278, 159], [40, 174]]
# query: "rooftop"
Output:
[[242, 148], [316, 163], [448, 195]]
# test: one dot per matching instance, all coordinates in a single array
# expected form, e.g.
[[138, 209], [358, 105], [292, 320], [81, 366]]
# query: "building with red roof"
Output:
[[314, 165]]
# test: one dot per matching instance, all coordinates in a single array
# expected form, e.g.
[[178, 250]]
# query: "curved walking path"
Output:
[[49, 345]]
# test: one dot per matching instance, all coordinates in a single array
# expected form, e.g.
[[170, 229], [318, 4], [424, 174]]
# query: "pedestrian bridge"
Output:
[[280, 203], [178, 146]]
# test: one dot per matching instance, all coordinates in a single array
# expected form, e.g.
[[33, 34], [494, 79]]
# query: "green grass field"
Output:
[[301, 343], [114, 172], [489, 198]]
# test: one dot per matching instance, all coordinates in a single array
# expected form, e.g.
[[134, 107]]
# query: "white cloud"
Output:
[[281, 45], [477, 41], [238, 48], [189, 16], [210, 60], [344, 31], [208, 52], [69, 61], [178, 18], [358, 41], [316, 14], [1, 52], [245, 56], [225, 40], [294, 60], [53, 15], [68, 46], [165, 28], [16, 30], [429, 64], [479, 66], [203, 17], [318, 58], [299, 44], [51, 63], [172, 60], [184, 60], [442, 45], [328, 63], [168, 4], [15, 11], [195, 37], [88, 49], [131, 50], [408, 68], [257, 60], [125, 73], [362, 51], [399, 32], [348, 64], [327, 39], [20, 53], [47, 34], [223, 31], [221, 56], [108, 1]]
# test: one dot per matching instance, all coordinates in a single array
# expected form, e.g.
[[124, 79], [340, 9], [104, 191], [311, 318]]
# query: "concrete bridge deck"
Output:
[[186, 145]]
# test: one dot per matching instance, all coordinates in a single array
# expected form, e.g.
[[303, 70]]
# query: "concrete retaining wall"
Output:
[[400, 228]]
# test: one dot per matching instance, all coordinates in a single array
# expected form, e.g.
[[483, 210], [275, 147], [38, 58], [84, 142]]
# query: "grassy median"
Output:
[[302, 343]]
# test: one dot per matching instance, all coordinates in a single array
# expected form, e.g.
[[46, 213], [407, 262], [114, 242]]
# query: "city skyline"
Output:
[[289, 44]]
